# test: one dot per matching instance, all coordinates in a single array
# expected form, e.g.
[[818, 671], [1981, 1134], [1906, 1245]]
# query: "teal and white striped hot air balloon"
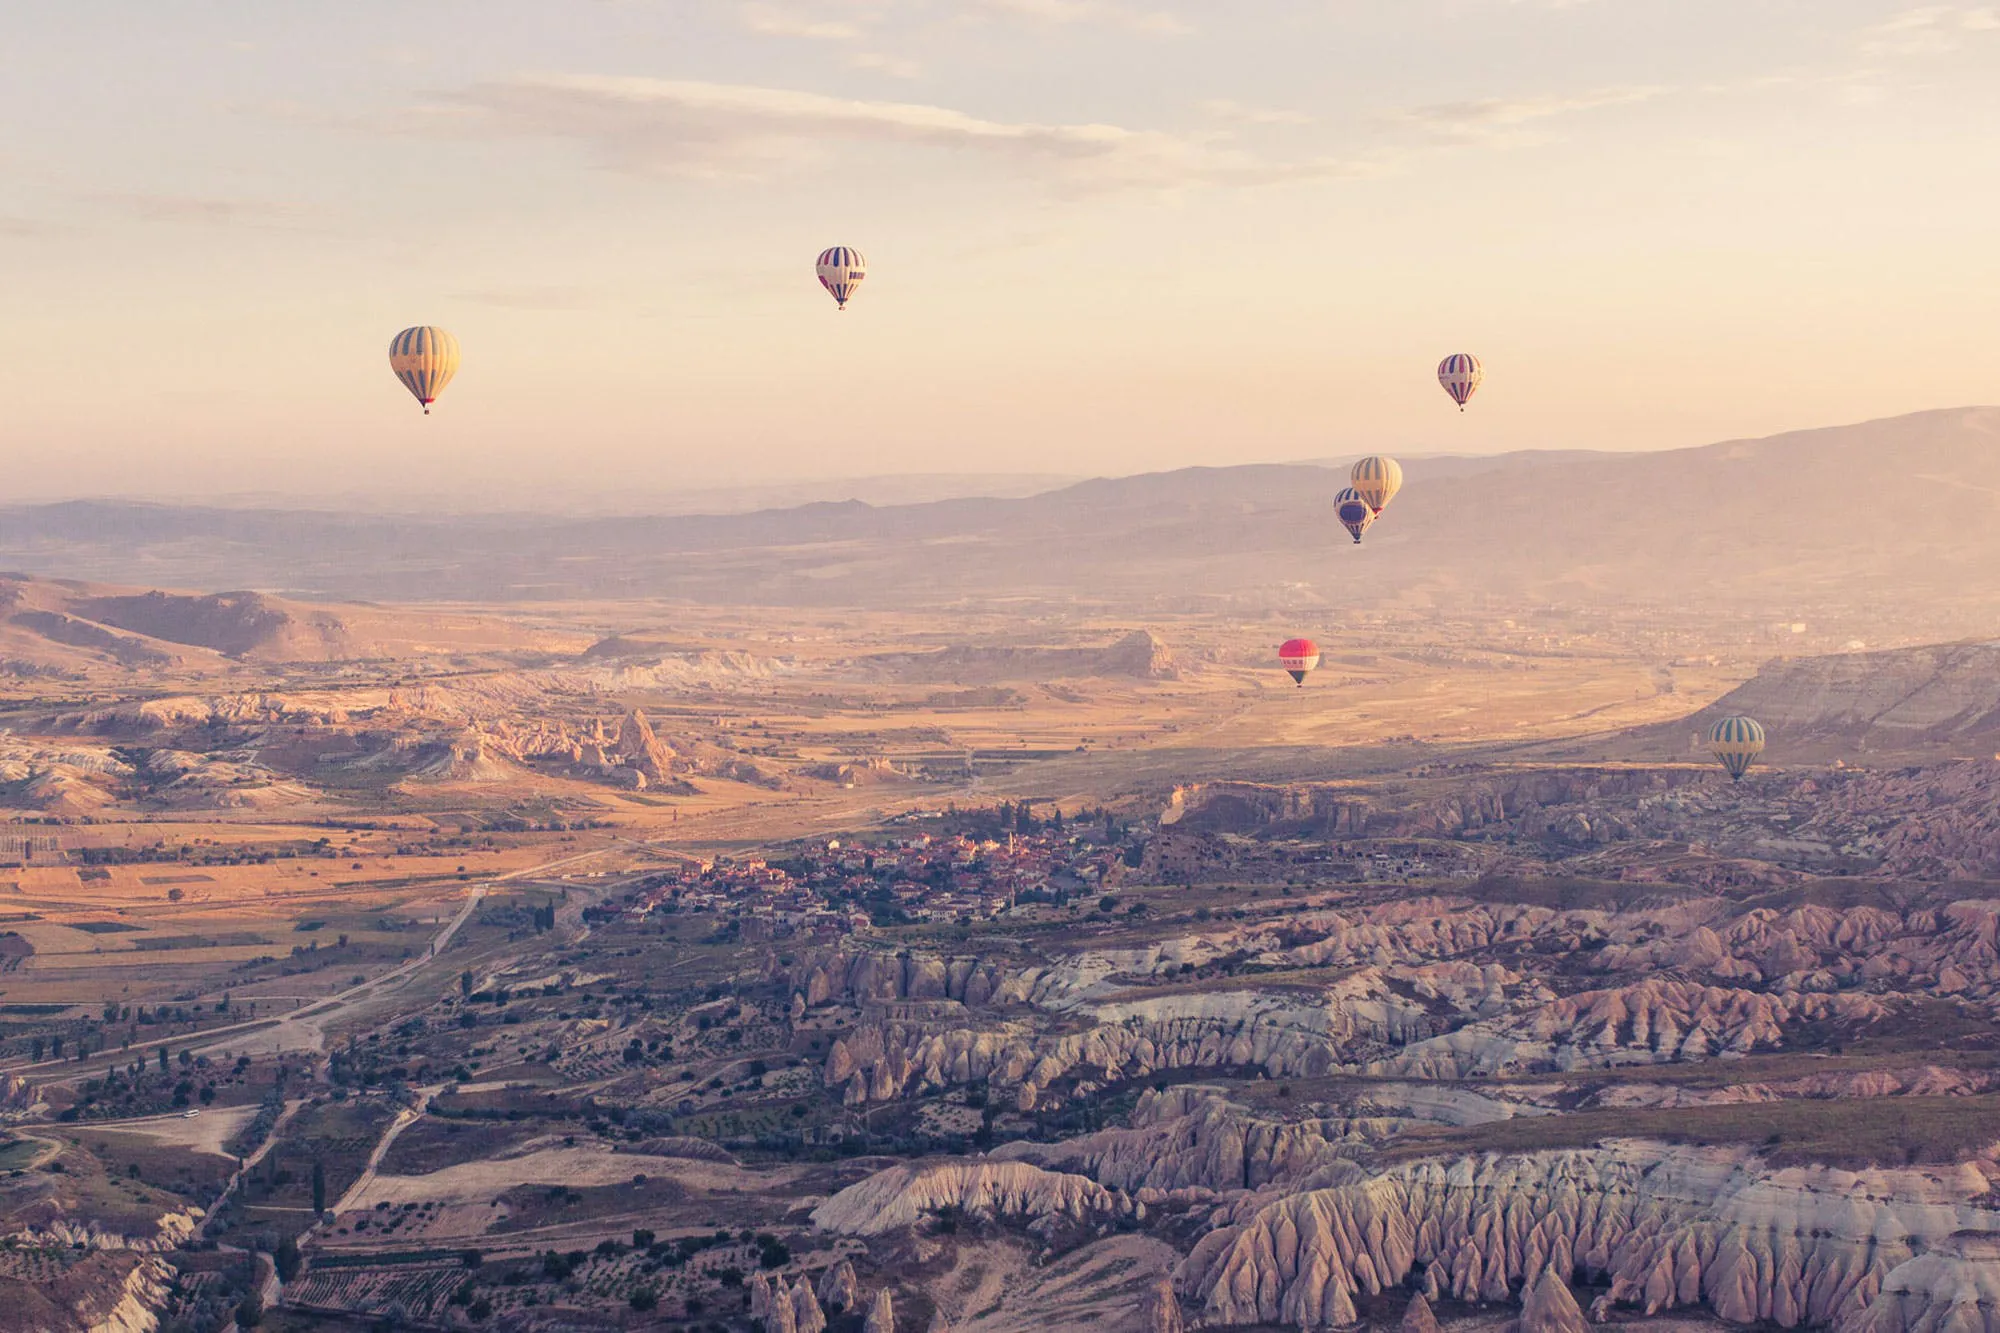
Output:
[[424, 359], [1736, 742]]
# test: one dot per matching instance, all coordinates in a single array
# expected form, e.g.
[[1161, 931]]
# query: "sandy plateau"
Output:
[[625, 964]]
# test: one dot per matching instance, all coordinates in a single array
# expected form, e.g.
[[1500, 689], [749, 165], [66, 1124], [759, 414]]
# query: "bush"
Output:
[[644, 1299]]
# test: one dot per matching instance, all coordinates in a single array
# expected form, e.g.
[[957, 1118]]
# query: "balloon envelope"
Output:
[[1297, 657], [841, 270], [1377, 479], [1354, 515], [1736, 742], [424, 359], [1460, 375]]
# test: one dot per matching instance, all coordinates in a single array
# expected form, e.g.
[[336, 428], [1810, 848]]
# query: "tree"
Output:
[[286, 1259], [163, 1059], [175, 895], [36, 1047], [319, 1186], [250, 1311], [465, 982], [644, 1299], [55, 1047]]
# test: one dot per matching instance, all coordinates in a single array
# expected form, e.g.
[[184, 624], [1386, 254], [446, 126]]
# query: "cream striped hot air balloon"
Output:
[[1377, 479], [424, 359], [1736, 741]]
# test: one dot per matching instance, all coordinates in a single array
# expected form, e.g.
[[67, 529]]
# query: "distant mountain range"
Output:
[[51, 627], [1876, 518]]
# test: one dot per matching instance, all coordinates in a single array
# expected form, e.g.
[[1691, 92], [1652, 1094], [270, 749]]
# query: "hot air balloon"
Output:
[[1354, 513], [1736, 741], [1377, 479], [1460, 374], [841, 270], [1297, 657], [424, 359]]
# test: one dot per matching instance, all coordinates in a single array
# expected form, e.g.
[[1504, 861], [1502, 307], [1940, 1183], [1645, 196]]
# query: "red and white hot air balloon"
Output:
[[1297, 657], [841, 270], [1460, 374]]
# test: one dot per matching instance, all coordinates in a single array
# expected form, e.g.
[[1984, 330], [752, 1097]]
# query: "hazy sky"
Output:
[[1105, 235]]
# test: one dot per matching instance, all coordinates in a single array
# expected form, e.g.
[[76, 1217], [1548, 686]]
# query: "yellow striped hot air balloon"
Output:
[[424, 359], [1377, 479], [1736, 741]]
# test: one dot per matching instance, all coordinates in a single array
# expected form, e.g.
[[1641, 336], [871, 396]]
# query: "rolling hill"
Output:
[[64, 626], [1880, 518]]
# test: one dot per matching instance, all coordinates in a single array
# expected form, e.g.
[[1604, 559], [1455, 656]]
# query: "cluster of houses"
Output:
[[836, 887]]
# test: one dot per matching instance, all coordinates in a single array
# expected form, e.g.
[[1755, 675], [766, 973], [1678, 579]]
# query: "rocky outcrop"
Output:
[[1161, 1312], [1418, 1316], [1548, 1306], [903, 1195], [1192, 1137], [642, 748], [778, 1316], [104, 1292], [1915, 1081], [1954, 1287], [807, 1317], [1138, 654], [860, 976], [881, 1314], [169, 1231], [837, 1290], [1535, 802], [1664, 1227]]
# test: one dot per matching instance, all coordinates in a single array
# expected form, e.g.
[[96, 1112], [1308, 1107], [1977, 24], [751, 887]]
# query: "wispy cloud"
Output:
[[1153, 22], [894, 66], [196, 209], [1929, 30], [665, 126], [18, 228], [1499, 118], [530, 298], [1222, 108], [779, 21]]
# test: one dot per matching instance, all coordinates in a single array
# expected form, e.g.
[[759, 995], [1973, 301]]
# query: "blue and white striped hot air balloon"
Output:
[[1736, 742], [841, 270], [1460, 374], [1355, 514], [424, 359]]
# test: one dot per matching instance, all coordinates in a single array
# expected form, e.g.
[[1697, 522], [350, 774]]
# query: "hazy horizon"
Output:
[[1105, 237]]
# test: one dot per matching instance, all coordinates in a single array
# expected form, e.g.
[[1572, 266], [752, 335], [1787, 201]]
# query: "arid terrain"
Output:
[[659, 960]]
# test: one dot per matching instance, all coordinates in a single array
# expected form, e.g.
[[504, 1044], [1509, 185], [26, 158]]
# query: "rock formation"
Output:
[[807, 1317], [1161, 1312], [1418, 1317], [1663, 1226], [838, 1291], [881, 1315], [1548, 1306], [1954, 1287], [902, 1195], [642, 749]]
